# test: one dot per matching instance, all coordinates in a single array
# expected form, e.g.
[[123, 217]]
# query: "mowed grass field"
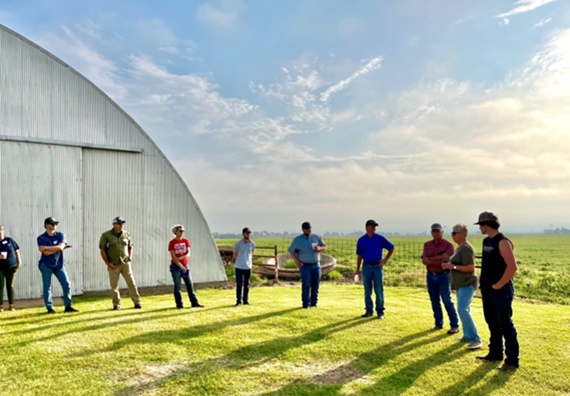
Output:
[[272, 348], [544, 261]]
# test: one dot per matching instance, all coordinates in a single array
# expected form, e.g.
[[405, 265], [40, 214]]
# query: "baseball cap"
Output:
[[371, 222], [51, 220], [306, 225], [436, 226], [246, 229], [487, 216], [119, 220]]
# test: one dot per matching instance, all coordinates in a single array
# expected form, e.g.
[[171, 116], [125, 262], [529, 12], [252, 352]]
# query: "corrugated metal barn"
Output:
[[68, 151]]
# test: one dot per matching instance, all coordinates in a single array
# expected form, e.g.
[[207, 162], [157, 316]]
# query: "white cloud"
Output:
[[543, 22], [372, 65], [524, 6]]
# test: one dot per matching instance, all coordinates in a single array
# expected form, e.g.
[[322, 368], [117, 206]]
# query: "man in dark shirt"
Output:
[[435, 252], [370, 249], [497, 271]]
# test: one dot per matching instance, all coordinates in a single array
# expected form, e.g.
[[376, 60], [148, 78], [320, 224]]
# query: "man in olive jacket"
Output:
[[116, 250]]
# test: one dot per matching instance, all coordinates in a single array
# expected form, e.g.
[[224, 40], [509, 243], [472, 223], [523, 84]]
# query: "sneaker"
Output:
[[180, 306], [367, 315], [138, 306], [237, 305], [246, 303], [475, 345], [453, 330], [305, 307], [1, 306], [69, 308], [12, 308], [463, 339], [314, 306], [197, 306], [50, 311], [116, 307], [507, 367], [381, 316], [437, 328]]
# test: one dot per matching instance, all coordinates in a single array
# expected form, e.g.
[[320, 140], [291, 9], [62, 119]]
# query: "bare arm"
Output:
[[234, 257], [358, 264], [49, 250], [506, 250], [106, 260], [460, 268], [18, 258], [297, 261], [385, 261]]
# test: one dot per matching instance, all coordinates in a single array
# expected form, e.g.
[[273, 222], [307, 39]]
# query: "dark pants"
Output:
[[242, 279], [311, 279], [175, 271], [498, 311], [10, 274], [439, 287]]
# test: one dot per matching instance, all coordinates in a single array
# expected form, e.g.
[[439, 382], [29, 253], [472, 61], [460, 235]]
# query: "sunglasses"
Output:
[[455, 233], [182, 231]]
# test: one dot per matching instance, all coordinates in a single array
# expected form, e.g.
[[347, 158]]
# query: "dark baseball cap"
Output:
[[246, 229], [306, 225], [51, 220], [119, 220], [371, 222], [436, 226], [488, 216]]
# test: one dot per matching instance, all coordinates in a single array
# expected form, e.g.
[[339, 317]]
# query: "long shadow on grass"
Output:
[[141, 317], [485, 388], [332, 381], [168, 336], [244, 357]]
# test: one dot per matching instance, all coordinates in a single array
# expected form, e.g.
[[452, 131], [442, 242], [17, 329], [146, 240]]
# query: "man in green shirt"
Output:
[[116, 250]]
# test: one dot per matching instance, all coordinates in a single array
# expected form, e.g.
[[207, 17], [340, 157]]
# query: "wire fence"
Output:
[[405, 267]]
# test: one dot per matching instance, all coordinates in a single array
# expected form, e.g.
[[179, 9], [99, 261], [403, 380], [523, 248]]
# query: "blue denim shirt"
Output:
[[302, 247], [371, 249], [54, 261]]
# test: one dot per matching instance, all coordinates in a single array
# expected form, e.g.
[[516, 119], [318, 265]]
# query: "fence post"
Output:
[[276, 266]]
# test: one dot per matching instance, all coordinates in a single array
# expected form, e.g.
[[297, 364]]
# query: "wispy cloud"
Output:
[[224, 15], [372, 65], [543, 22], [522, 6]]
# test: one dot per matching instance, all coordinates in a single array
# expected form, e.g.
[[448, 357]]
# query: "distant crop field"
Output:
[[544, 261]]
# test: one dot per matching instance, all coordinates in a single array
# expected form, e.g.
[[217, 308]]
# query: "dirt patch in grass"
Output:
[[143, 379], [340, 375]]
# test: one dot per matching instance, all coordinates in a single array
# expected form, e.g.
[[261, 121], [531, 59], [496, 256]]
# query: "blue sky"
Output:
[[408, 112]]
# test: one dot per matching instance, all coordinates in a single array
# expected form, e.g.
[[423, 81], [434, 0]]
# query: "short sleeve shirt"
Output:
[[244, 250], [302, 247], [53, 261], [180, 248], [116, 246], [464, 255], [431, 249], [9, 246], [371, 248]]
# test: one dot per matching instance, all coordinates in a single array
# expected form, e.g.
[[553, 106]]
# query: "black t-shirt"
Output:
[[493, 265], [10, 246]]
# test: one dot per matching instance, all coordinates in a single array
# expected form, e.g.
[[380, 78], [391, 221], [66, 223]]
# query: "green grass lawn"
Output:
[[272, 348], [544, 261]]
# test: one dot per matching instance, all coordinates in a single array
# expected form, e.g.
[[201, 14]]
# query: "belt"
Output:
[[437, 273], [310, 263], [372, 262]]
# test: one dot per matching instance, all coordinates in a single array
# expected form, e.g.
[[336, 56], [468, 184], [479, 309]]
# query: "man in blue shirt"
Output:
[[243, 257], [52, 244], [306, 252], [370, 249]]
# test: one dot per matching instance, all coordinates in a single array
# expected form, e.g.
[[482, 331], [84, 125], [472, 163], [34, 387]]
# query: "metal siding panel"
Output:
[[40, 181], [10, 85]]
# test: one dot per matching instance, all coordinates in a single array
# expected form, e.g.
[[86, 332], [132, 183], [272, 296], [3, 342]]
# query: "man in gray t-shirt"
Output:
[[243, 257]]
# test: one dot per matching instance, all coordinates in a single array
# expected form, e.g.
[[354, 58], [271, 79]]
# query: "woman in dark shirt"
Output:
[[9, 264], [464, 280]]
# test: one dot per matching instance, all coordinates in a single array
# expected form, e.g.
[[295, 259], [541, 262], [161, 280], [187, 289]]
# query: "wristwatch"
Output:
[[455, 267]]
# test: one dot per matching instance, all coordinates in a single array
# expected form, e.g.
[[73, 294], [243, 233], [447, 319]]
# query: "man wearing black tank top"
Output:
[[497, 270]]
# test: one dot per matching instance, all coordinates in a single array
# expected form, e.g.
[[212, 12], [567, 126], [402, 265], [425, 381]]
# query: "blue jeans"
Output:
[[464, 298], [175, 271], [311, 279], [498, 311], [439, 287], [61, 276], [373, 278], [242, 279]]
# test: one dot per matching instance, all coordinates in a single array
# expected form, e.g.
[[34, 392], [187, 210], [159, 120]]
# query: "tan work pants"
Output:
[[125, 270]]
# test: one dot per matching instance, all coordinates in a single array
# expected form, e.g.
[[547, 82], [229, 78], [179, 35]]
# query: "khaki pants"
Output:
[[125, 270]]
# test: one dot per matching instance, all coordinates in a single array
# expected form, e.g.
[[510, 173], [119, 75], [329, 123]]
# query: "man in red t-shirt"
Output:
[[435, 252], [179, 249]]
